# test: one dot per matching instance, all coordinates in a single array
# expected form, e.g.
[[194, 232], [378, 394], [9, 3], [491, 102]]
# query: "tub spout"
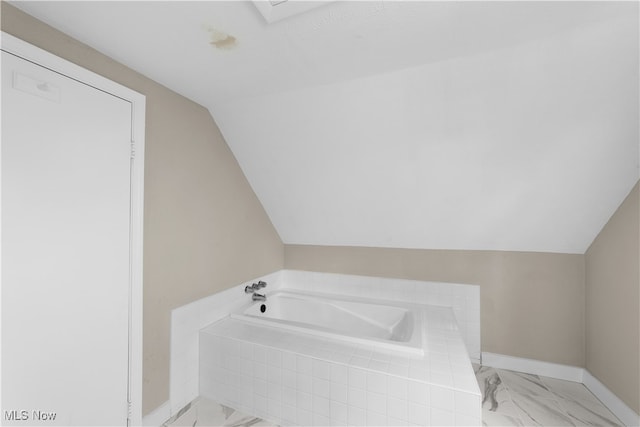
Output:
[[258, 297]]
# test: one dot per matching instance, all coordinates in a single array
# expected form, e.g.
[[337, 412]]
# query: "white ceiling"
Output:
[[448, 125]]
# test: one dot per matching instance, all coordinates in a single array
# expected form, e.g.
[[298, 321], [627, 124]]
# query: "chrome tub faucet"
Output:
[[252, 290]]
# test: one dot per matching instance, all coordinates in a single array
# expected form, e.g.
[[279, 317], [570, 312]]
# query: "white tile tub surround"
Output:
[[186, 322], [463, 299], [298, 379]]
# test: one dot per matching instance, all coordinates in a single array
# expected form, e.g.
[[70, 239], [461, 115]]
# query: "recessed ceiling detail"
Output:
[[276, 10]]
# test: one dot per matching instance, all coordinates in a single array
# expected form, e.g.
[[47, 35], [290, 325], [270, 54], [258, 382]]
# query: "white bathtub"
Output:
[[392, 326]]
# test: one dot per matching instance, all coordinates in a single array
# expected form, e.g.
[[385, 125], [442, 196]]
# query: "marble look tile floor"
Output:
[[509, 399], [515, 399], [204, 412]]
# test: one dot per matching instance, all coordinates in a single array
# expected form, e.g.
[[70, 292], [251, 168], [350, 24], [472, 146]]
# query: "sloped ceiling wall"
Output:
[[525, 148], [449, 125]]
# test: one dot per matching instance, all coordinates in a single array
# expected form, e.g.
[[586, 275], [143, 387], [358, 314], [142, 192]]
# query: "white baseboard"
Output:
[[158, 416], [615, 405], [531, 366], [569, 373]]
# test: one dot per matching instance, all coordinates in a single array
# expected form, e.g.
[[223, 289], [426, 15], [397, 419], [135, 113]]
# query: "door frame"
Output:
[[29, 52]]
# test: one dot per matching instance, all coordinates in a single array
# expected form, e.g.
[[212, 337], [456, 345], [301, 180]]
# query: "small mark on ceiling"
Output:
[[220, 39]]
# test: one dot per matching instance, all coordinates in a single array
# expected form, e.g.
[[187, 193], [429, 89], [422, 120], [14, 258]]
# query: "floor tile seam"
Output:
[[499, 412], [521, 412], [545, 386], [602, 404], [559, 396], [558, 400], [572, 417], [578, 401], [508, 392], [561, 401], [539, 399]]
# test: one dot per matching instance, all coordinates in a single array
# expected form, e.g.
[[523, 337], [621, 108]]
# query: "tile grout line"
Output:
[[556, 398], [506, 389], [553, 398], [560, 400]]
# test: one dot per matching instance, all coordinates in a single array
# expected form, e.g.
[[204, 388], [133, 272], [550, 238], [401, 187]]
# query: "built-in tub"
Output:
[[392, 326]]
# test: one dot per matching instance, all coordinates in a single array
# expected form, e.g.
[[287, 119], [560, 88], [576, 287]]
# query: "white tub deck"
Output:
[[293, 378]]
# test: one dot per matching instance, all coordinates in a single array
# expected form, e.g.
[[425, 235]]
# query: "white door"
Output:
[[66, 163]]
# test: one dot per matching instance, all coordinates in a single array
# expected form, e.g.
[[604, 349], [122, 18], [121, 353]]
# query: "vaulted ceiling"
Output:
[[448, 125]]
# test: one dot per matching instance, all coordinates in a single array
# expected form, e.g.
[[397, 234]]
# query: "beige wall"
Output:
[[204, 229], [613, 303], [532, 304]]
